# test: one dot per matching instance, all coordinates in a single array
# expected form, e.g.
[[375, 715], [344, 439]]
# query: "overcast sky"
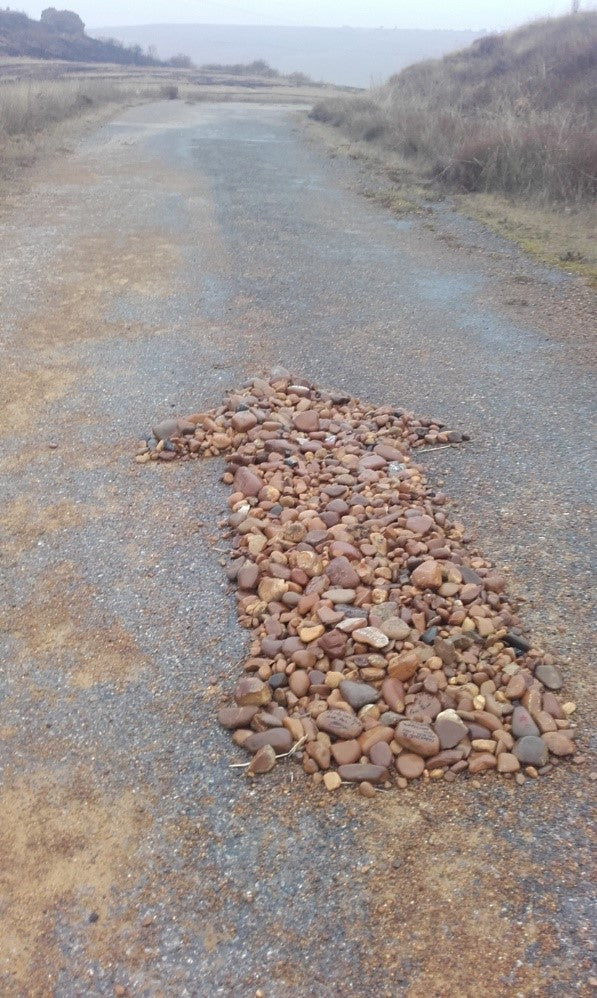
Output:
[[490, 14]]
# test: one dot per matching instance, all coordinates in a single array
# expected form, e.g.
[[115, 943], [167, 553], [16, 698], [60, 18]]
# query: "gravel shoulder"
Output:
[[179, 249]]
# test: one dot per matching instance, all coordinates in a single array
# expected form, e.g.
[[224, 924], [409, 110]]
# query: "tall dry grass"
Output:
[[29, 107], [513, 114]]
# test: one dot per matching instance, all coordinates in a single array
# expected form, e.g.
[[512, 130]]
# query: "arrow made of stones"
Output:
[[383, 642]]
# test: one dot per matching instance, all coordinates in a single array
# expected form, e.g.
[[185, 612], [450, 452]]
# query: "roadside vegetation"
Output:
[[511, 117]]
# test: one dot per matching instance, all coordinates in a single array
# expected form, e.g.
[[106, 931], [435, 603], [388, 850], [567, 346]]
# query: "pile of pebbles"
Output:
[[384, 649]]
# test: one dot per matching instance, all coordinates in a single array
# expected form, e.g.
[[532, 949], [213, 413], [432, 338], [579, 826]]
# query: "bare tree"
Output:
[[575, 6]]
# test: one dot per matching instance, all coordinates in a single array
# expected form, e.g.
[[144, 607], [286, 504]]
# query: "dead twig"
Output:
[[427, 450]]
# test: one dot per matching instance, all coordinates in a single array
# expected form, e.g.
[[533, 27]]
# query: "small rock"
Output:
[[427, 575], [549, 676], [371, 636], [531, 751], [251, 691], [559, 743], [332, 780], [279, 739], [263, 761], [339, 723], [450, 728], [507, 763], [341, 573], [418, 738], [357, 772], [522, 723], [358, 694], [236, 717], [409, 765]]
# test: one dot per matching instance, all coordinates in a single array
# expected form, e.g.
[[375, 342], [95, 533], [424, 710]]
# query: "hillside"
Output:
[[61, 35], [513, 113], [354, 57]]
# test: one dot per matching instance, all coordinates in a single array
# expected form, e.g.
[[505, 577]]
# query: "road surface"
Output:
[[177, 250]]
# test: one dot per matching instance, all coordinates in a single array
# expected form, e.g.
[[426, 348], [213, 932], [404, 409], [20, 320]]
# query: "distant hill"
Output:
[[60, 34], [354, 57], [513, 113]]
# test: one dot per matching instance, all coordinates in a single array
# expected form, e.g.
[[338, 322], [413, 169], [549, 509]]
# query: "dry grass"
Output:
[[28, 107], [513, 114]]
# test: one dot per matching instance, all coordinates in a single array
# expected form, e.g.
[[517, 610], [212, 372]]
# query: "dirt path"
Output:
[[180, 249]]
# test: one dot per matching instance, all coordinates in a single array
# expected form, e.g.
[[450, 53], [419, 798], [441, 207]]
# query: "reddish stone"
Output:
[[247, 482]]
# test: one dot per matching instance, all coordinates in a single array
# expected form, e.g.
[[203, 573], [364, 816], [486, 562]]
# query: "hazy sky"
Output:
[[490, 14]]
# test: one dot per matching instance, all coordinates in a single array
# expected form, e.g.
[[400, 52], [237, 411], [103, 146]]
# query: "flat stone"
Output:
[[346, 752], [371, 636], [299, 683], [522, 723], [271, 590], [409, 765], [446, 758], [403, 666], [450, 728], [307, 421], [445, 650], [279, 738], [469, 592], [559, 743], [531, 751], [250, 691], [332, 781], [395, 629], [236, 717], [247, 576], [308, 634], [381, 754], [553, 706], [425, 707], [357, 772], [263, 761], [358, 694], [549, 676], [166, 429], [418, 738], [419, 524], [341, 573], [481, 763], [392, 691], [507, 763], [247, 482], [339, 596], [333, 643], [427, 575], [516, 687], [242, 422], [339, 723]]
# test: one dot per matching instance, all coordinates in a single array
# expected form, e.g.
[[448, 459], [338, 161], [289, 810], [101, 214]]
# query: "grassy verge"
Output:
[[559, 235]]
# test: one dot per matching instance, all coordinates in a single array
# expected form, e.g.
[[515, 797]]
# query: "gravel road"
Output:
[[175, 251]]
